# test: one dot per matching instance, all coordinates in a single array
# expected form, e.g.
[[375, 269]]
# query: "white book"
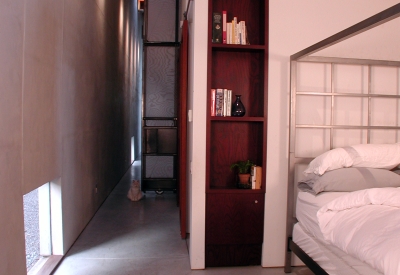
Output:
[[225, 101], [229, 107], [229, 33], [239, 31], [234, 30], [244, 33], [253, 176]]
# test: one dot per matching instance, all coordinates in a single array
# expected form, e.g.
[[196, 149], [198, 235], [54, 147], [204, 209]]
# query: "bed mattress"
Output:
[[331, 259], [307, 206]]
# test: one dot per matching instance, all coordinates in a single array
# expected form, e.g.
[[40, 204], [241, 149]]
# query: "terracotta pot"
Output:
[[244, 178]]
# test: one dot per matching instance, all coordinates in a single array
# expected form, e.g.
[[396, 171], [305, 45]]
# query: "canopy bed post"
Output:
[[290, 191], [332, 106], [369, 104]]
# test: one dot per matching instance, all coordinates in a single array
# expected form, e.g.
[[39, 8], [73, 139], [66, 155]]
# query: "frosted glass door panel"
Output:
[[159, 167], [161, 20], [160, 76]]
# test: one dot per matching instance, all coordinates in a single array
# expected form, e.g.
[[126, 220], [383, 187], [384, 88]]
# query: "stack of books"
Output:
[[229, 31], [221, 102], [255, 177]]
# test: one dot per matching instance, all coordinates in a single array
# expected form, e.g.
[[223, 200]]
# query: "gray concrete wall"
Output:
[[67, 84]]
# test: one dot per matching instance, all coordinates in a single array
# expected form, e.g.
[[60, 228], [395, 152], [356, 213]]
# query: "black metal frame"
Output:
[[307, 260], [161, 184]]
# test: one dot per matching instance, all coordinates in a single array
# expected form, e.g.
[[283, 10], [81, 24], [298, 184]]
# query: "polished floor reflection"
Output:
[[126, 237]]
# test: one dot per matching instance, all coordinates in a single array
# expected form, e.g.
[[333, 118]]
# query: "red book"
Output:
[[212, 102], [224, 27]]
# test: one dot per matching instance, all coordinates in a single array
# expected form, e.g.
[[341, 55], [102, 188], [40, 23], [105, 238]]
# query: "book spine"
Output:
[[229, 33], [225, 102], [229, 104], [244, 35], [239, 32], [246, 39], [224, 27], [233, 38], [235, 35], [217, 27], [212, 102], [253, 175], [258, 177], [219, 102]]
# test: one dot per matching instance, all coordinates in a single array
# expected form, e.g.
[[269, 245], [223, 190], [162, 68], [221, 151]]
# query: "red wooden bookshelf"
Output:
[[235, 217]]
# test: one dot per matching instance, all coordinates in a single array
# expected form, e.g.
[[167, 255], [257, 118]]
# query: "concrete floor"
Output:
[[126, 237]]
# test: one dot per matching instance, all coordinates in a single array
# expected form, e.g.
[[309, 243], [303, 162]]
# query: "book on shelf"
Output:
[[225, 102], [239, 33], [255, 177], [224, 15], [229, 31], [221, 102], [243, 36], [234, 30], [212, 102], [217, 28], [229, 104]]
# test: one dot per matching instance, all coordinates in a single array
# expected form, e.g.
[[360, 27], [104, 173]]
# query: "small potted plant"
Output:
[[243, 169]]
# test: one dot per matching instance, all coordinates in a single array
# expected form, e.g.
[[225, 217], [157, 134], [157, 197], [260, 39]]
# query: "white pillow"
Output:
[[385, 156]]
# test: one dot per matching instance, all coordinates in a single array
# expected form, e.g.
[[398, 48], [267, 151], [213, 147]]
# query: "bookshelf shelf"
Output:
[[216, 46], [234, 190], [244, 70], [237, 119]]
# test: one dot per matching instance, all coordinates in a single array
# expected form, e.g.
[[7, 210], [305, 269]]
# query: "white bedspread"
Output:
[[366, 225]]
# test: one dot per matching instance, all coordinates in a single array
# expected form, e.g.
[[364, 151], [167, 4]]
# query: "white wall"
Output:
[[197, 135], [294, 25]]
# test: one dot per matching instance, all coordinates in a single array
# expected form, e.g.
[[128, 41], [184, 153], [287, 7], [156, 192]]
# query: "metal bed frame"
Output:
[[304, 56]]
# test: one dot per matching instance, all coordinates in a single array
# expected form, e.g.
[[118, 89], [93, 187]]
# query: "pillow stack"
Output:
[[370, 166]]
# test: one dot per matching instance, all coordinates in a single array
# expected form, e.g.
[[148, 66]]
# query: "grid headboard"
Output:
[[338, 102]]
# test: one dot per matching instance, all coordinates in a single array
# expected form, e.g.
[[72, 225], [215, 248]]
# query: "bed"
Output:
[[344, 154]]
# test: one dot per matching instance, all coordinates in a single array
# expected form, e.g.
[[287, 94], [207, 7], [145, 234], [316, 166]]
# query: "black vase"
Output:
[[238, 107]]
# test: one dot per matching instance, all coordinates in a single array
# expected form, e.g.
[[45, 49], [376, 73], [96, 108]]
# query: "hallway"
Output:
[[126, 237]]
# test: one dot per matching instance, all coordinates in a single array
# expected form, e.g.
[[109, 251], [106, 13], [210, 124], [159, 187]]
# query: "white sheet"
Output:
[[307, 206], [333, 260], [366, 225]]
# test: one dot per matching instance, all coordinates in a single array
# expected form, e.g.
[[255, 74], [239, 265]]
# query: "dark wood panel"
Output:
[[182, 126], [233, 255], [243, 73], [233, 141], [234, 219]]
